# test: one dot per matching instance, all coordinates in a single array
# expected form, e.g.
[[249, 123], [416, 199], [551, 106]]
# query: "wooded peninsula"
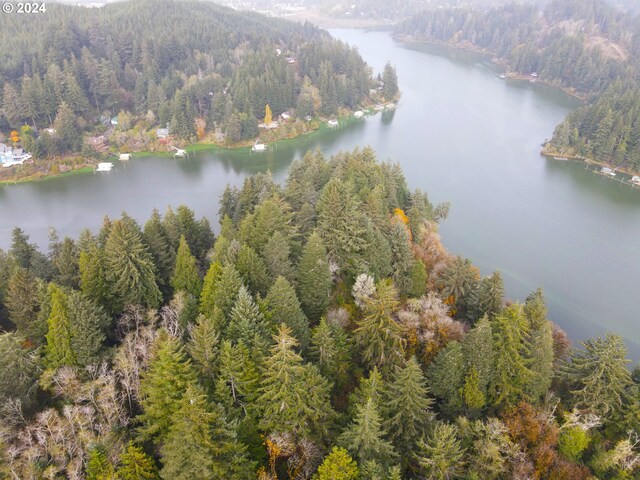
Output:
[[325, 333]]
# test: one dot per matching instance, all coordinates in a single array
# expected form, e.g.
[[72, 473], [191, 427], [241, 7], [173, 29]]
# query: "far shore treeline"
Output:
[[589, 48], [324, 334]]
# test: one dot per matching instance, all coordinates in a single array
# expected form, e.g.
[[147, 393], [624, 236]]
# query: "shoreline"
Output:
[[318, 126], [502, 63], [551, 154]]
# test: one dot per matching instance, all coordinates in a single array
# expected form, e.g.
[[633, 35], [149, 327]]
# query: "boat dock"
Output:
[[611, 174]]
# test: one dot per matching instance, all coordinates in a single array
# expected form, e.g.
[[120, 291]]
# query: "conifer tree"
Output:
[[471, 392], [598, 375], [378, 335], [203, 348], [314, 278], [58, 351], [364, 438], [331, 350], [136, 465], [185, 275], [441, 456], [446, 376], [390, 79], [372, 387], [156, 238], [21, 250], [201, 444], [19, 370], [512, 365], [207, 297], [338, 465], [541, 357], [407, 406], [479, 352], [247, 323], [224, 291], [65, 262], [342, 225], [284, 308], [238, 380], [401, 257], [93, 282], [488, 297], [129, 272], [87, 326], [252, 269], [22, 303], [294, 396], [277, 257], [162, 386], [98, 466]]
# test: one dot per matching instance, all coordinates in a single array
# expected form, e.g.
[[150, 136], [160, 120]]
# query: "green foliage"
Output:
[[135, 464], [378, 335], [573, 442], [208, 296], [277, 257], [87, 326], [284, 308], [252, 270], [130, 272], [98, 466], [294, 396], [446, 376], [156, 238], [338, 465], [441, 456], [58, 351], [201, 444], [512, 365], [247, 323], [203, 348], [238, 379], [331, 350], [23, 306], [162, 387], [407, 406], [185, 276], [364, 438], [220, 290], [19, 370], [93, 281], [390, 82], [597, 375], [314, 278]]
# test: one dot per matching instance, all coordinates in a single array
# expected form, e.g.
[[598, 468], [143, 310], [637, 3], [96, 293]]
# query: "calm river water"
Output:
[[462, 134]]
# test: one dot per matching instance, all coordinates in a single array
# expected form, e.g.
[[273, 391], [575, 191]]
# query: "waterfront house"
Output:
[[162, 133]]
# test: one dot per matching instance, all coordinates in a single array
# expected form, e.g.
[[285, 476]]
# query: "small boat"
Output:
[[358, 114], [180, 153], [503, 76], [635, 180], [390, 106], [104, 167], [258, 147], [125, 156], [333, 123], [564, 159], [607, 172]]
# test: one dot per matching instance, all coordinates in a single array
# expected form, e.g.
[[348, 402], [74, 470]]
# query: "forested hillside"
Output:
[[589, 48], [324, 333], [191, 65]]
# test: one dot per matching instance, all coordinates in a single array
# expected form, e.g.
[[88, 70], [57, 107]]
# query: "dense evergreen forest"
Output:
[[194, 66], [589, 48], [324, 333]]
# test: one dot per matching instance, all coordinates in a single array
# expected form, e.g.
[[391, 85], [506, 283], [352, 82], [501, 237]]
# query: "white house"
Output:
[[162, 133]]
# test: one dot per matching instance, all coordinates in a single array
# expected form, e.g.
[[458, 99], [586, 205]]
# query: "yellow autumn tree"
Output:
[[267, 115]]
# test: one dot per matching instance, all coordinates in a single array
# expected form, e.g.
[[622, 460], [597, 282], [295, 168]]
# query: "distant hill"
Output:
[[170, 62]]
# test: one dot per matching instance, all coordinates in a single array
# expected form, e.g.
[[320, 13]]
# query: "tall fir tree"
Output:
[[87, 325], [247, 324], [22, 303], [58, 351], [407, 406], [365, 439], [130, 273], [201, 444], [314, 278], [378, 336], [158, 242], [338, 465], [294, 396], [512, 365], [93, 282], [135, 464], [185, 275], [441, 456], [162, 387], [331, 350], [207, 294], [284, 308], [204, 339], [277, 257], [252, 270]]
